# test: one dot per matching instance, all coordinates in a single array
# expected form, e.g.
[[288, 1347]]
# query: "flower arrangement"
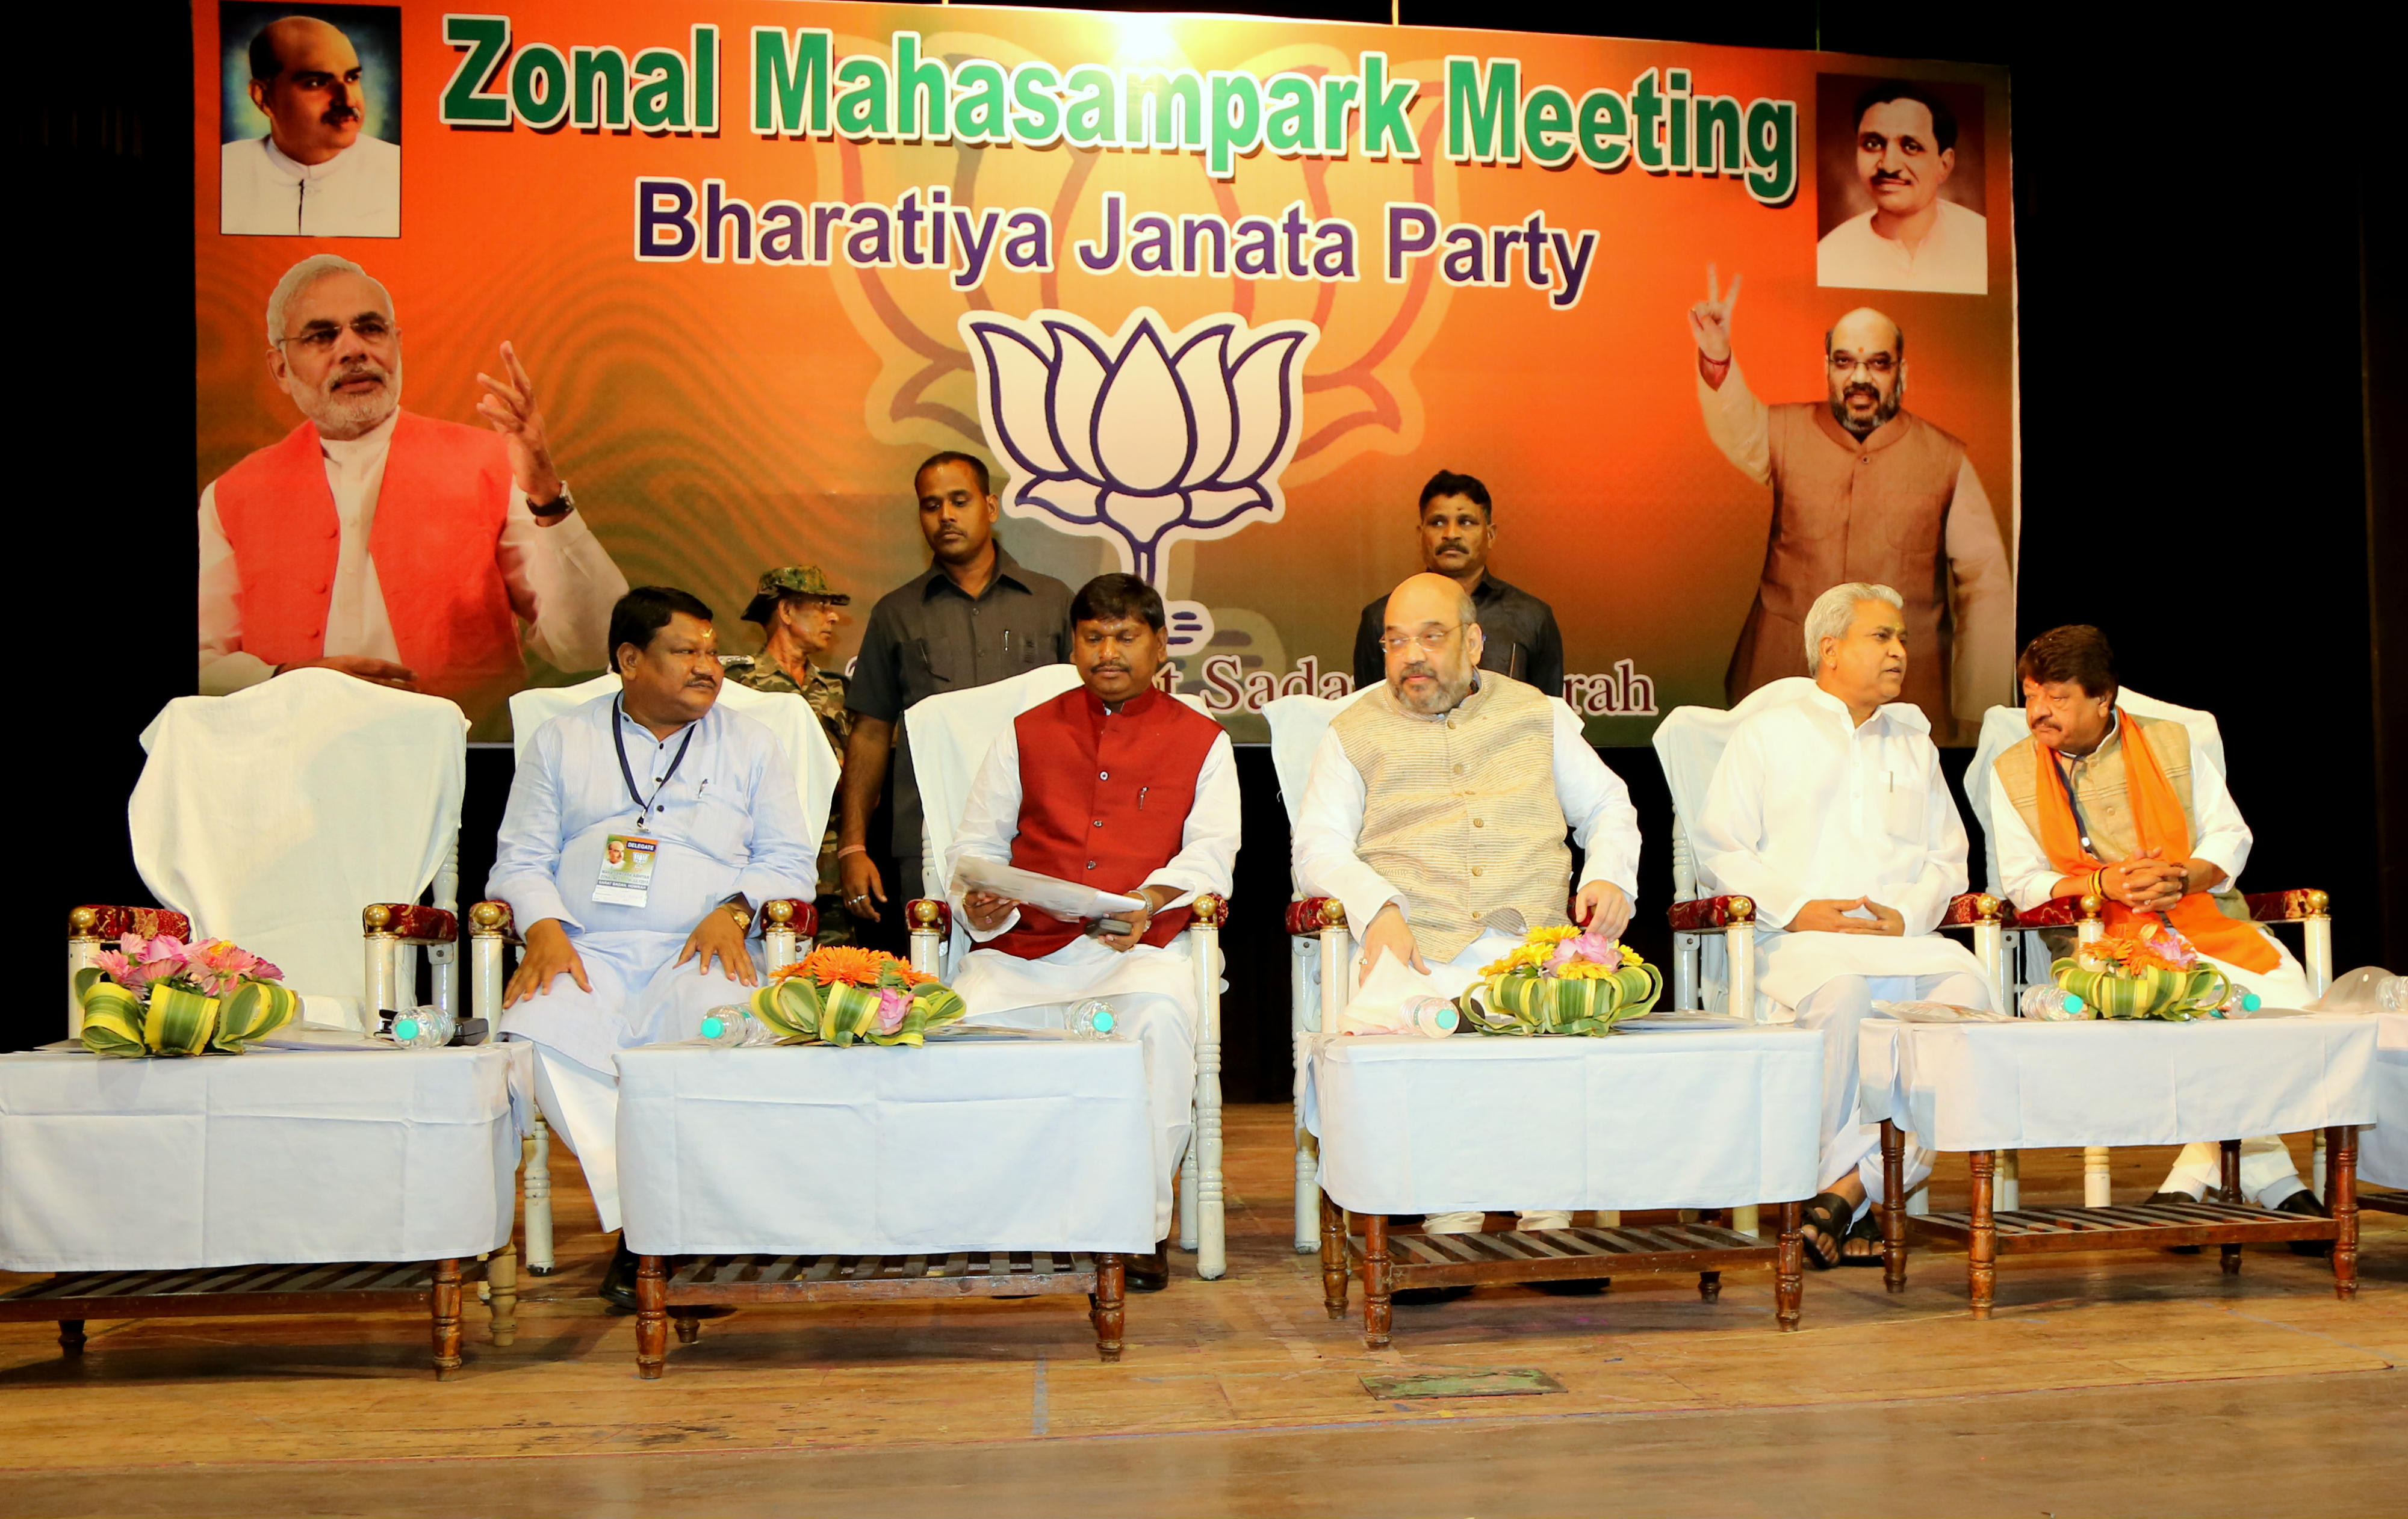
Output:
[[839, 994], [1562, 981], [162, 996], [2149, 972]]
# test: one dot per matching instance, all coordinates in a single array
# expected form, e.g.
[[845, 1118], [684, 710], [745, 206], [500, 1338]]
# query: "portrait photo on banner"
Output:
[[1898, 182], [310, 120]]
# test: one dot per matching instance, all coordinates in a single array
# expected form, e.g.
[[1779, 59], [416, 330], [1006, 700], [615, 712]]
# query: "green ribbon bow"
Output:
[[1522, 1003]]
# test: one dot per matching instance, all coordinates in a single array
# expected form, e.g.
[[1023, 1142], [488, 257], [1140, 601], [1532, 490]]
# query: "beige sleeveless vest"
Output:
[[1460, 813]]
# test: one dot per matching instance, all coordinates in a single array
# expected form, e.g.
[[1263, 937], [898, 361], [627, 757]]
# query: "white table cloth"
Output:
[[2025, 1083], [1020, 1144], [1721, 1119], [271, 1158], [2383, 1150]]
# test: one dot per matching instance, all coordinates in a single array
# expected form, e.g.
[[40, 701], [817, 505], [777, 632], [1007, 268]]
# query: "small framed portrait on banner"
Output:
[[310, 121], [1899, 177]]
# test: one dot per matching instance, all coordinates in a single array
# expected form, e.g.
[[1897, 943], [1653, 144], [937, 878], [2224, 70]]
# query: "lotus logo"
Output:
[[1145, 436]]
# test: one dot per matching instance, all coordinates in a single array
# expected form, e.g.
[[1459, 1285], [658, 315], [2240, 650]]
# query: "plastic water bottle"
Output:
[[1432, 1016], [424, 1028], [2239, 1004], [2054, 1003], [730, 1026], [1091, 1020], [2392, 995]]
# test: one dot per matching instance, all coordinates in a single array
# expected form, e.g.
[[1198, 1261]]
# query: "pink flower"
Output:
[[1593, 948], [891, 1006]]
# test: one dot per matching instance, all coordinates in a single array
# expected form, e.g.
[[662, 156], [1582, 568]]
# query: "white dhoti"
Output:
[[1152, 996], [1829, 981], [2267, 1174], [639, 997]]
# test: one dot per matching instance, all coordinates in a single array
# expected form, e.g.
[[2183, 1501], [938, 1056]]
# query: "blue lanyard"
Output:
[[619, 739]]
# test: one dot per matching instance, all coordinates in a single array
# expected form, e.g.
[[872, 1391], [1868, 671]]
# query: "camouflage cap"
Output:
[[792, 580]]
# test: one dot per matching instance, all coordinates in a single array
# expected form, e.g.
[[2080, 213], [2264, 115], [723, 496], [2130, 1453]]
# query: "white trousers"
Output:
[[1838, 1007], [2267, 1174], [1166, 1035]]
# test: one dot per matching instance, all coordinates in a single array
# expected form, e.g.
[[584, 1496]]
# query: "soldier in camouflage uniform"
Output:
[[798, 613]]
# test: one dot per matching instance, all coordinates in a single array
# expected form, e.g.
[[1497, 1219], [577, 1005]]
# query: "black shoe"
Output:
[[2176, 1196], [1428, 1296], [618, 1289], [1146, 1273], [2304, 1203], [1583, 1286]]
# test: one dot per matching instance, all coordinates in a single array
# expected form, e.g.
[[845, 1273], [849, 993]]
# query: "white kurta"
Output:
[[730, 820], [1329, 821], [356, 194], [560, 579], [1953, 258], [1152, 990], [1806, 806]]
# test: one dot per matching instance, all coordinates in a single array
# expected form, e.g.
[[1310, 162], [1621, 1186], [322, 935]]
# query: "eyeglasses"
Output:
[[321, 336], [1397, 643], [1880, 363]]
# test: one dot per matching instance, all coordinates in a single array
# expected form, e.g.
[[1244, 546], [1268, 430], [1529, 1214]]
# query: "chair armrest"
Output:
[[929, 916], [1209, 909], [1966, 909], [493, 920], [2288, 907], [794, 912], [2060, 912], [410, 923], [1709, 914], [1308, 916], [95, 921]]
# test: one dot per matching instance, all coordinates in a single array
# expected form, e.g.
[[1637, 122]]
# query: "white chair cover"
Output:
[[2003, 727], [785, 714], [1298, 724], [272, 816]]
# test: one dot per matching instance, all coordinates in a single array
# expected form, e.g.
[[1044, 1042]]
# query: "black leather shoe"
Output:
[[1584, 1286], [618, 1289], [1146, 1273], [2176, 1196], [1427, 1297], [2304, 1203]]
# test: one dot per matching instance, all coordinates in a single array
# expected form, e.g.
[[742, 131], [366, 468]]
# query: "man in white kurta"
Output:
[[1436, 810], [317, 173], [1831, 815], [2081, 752], [713, 794], [1117, 786]]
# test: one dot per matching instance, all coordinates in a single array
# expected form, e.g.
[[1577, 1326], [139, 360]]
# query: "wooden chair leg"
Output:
[[1709, 1286], [1110, 1313], [1378, 1309], [1789, 1278], [652, 1319], [2231, 1179], [71, 1337], [1982, 1249], [2340, 1175], [443, 1302], [502, 1294], [1893, 1207], [688, 1326], [1333, 1257]]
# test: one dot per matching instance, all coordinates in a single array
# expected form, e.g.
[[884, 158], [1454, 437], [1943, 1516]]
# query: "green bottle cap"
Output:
[[713, 1026], [2074, 1003], [404, 1030]]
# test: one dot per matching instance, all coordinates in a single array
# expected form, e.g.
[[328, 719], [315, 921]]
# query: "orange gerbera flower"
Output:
[[834, 963]]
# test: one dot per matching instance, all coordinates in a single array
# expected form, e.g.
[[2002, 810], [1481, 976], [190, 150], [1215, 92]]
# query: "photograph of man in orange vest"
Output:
[[1118, 786], [299, 568], [1863, 490], [2101, 799]]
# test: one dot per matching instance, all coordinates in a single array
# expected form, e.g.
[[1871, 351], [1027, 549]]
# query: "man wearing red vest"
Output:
[[298, 567], [1118, 786]]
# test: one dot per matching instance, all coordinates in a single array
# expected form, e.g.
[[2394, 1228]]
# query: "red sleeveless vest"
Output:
[[440, 510], [1104, 800]]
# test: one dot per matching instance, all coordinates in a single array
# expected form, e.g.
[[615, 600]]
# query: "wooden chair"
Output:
[[950, 734]]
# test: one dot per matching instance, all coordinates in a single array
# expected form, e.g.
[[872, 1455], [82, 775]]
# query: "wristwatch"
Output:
[[738, 910], [562, 505]]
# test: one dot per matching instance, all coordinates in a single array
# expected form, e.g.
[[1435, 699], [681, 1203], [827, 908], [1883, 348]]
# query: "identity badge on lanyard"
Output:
[[626, 877]]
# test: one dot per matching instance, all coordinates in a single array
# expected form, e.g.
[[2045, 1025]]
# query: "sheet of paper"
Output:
[[1065, 899]]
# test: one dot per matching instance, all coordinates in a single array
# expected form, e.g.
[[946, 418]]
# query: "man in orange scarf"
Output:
[[2099, 800]]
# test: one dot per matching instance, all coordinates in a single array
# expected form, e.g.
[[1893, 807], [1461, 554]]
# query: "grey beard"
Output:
[[1882, 413], [341, 416]]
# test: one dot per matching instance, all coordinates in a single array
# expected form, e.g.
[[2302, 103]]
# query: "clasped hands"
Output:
[[2147, 882], [1834, 915], [1601, 908], [988, 910], [550, 953]]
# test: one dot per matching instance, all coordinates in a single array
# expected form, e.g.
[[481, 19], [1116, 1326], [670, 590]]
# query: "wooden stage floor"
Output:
[[2149, 1373]]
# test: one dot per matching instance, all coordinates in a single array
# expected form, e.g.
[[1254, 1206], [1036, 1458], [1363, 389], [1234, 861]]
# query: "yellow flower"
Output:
[[1549, 937], [1582, 971]]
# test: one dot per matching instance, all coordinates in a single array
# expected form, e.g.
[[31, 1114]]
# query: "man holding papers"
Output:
[[1117, 788]]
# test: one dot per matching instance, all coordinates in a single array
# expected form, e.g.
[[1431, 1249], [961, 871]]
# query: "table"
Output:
[[981, 1163], [275, 1181], [1707, 1120], [1983, 1087], [2383, 1150]]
